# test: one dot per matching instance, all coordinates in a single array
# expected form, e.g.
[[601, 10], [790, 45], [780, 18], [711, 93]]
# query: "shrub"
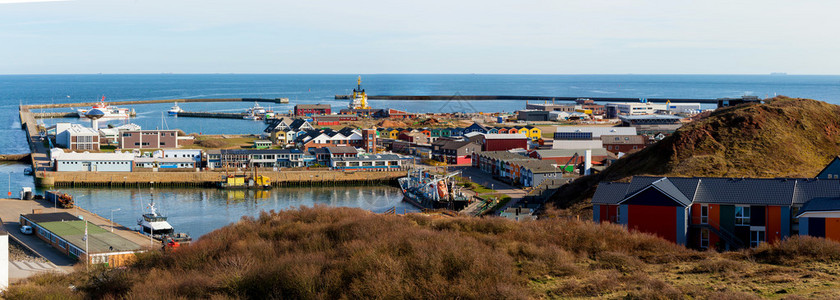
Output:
[[797, 249]]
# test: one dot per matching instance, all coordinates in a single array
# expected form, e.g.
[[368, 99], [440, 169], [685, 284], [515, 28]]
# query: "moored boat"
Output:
[[157, 226], [428, 190], [109, 111]]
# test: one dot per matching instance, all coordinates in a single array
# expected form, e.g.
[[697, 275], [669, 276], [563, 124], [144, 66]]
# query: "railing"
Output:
[[721, 232]]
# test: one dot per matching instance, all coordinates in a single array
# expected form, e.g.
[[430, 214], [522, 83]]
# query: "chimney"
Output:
[[587, 163]]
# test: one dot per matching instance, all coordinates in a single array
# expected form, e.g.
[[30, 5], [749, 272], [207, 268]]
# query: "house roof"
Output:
[[99, 240], [312, 106], [342, 149], [623, 139], [505, 136], [741, 191], [610, 192], [369, 157], [820, 204], [50, 217], [597, 131], [546, 153], [104, 156], [832, 162]]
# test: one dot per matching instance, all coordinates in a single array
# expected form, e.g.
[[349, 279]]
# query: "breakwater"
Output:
[[218, 115], [211, 178], [523, 98], [80, 104]]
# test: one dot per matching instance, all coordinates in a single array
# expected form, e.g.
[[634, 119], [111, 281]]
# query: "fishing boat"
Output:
[[156, 226], [175, 109], [425, 189], [109, 111]]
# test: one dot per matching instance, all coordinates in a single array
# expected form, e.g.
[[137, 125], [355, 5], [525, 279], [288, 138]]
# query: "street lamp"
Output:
[[112, 218]]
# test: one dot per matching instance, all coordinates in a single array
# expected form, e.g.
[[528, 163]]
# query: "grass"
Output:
[[320, 252], [207, 142]]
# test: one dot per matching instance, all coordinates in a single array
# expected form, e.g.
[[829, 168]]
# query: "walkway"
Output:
[[487, 180]]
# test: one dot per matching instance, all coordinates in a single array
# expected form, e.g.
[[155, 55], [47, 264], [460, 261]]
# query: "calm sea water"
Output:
[[201, 210]]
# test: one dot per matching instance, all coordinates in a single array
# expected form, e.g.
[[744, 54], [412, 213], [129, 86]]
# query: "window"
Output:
[[62, 244], [756, 237], [704, 214], [742, 215]]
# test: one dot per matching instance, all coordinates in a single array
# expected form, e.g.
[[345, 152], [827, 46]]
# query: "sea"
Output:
[[199, 211]]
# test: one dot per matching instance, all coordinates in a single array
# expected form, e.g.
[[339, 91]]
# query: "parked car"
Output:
[[25, 229]]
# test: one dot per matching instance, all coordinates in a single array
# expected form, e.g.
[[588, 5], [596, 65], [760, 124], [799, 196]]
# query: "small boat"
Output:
[[251, 117], [158, 227], [175, 109], [27, 171]]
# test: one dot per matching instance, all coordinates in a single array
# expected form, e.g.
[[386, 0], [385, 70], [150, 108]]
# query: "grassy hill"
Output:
[[316, 253], [784, 137]]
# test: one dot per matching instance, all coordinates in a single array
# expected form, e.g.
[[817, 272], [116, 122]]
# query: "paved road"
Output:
[[485, 179]]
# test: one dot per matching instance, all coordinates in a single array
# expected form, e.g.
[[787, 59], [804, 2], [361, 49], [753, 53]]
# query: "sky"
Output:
[[430, 36]]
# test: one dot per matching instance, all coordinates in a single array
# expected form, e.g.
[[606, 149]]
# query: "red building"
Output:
[[454, 152], [323, 120], [502, 142], [148, 139], [624, 143], [312, 109], [722, 213]]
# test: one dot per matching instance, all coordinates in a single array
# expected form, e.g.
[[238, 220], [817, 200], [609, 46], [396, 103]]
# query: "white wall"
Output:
[[4, 261]]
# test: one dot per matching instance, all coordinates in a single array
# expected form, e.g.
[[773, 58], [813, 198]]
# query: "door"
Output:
[[86, 166]]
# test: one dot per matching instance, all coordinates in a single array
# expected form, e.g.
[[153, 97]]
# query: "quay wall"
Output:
[[522, 98], [210, 178], [14, 157]]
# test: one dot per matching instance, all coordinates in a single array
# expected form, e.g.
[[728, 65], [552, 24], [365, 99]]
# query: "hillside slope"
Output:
[[318, 253], [784, 137]]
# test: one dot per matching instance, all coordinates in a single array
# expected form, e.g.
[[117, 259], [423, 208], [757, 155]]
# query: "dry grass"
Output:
[[320, 252]]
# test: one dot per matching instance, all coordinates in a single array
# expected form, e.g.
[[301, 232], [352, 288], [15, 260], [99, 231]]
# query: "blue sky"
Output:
[[371, 36]]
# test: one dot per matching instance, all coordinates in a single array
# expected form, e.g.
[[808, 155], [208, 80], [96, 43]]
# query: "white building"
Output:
[[4, 258], [194, 154], [111, 135], [94, 162], [76, 137], [633, 108], [684, 107], [165, 162]]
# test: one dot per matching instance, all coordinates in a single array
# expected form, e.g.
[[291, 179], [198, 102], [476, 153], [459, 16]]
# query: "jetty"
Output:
[[135, 102]]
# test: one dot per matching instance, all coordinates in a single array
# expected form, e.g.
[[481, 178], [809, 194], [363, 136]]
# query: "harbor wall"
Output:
[[210, 178], [521, 98], [82, 104]]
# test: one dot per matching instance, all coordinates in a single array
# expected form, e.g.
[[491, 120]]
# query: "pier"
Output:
[[134, 102]]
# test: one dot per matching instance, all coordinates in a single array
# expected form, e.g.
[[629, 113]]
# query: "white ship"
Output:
[[175, 109], [110, 112], [359, 100]]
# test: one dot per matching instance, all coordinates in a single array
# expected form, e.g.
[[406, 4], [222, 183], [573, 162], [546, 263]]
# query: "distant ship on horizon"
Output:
[[778, 73]]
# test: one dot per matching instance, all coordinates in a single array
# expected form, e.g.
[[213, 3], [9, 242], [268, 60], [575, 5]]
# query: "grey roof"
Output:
[[570, 152], [746, 191], [742, 191], [342, 149], [667, 187], [821, 204], [610, 192], [257, 151], [368, 157], [51, 217]]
